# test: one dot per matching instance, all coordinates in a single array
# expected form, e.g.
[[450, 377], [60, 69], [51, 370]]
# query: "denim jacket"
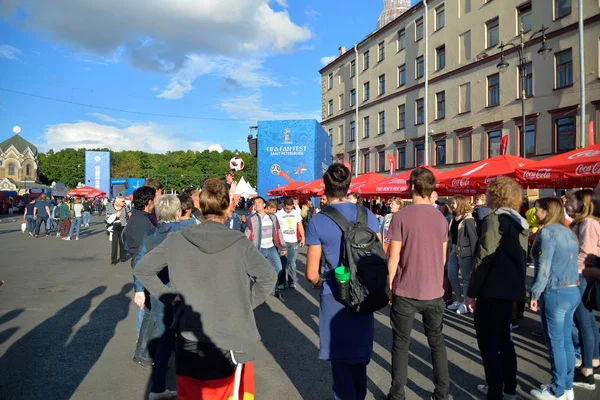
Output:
[[555, 255]]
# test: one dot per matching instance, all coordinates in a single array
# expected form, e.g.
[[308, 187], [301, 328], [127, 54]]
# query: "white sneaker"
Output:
[[569, 394], [454, 306], [77, 238], [66, 238], [167, 394], [462, 309], [545, 394]]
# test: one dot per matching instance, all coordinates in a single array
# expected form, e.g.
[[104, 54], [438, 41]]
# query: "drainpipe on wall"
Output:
[[582, 116], [356, 112], [426, 97]]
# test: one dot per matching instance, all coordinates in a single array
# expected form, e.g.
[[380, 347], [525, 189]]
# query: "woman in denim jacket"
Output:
[[555, 286]]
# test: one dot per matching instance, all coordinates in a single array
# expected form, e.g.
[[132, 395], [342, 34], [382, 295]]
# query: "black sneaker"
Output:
[[586, 382], [597, 372]]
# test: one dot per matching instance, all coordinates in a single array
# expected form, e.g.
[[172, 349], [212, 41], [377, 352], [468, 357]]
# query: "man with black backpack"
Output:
[[346, 329], [420, 233]]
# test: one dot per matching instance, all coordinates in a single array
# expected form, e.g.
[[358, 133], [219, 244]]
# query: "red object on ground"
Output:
[[577, 168], [285, 190], [365, 179], [474, 178], [218, 389], [393, 186], [86, 191]]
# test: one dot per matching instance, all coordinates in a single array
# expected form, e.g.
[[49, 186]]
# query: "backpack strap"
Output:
[[337, 217], [361, 215]]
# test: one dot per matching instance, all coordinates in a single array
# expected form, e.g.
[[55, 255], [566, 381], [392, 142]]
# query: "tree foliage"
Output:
[[177, 169]]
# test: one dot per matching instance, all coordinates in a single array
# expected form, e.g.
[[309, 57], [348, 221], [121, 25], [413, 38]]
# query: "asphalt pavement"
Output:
[[67, 331]]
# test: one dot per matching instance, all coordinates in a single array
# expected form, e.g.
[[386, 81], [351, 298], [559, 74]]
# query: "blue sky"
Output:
[[226, 63]]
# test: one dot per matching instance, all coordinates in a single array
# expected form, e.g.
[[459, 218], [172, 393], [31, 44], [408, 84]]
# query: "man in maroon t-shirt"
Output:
[[416, 258]]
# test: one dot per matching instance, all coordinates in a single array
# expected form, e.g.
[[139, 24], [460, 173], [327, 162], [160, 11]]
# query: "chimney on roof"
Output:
[[342, 50]]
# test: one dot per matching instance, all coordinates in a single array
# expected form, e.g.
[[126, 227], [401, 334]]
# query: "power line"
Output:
[[119, 109]]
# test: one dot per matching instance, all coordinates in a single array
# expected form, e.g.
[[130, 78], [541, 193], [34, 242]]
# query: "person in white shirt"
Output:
[[290, 222]]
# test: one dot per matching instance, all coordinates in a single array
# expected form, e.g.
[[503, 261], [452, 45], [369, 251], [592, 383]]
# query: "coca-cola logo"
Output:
[[585, 154], [583, 169], [489, 179], [462, 182], [543, 173]]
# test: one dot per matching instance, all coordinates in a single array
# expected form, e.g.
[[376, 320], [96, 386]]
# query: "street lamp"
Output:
[[503, 65]]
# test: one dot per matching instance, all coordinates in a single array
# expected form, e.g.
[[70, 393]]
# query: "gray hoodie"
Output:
[[220, 276]]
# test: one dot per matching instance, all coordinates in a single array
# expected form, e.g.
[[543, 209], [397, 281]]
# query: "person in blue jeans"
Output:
[[264, 231], [555, 292], [29, 217], [290, 221], [346, 337], [76, 222]]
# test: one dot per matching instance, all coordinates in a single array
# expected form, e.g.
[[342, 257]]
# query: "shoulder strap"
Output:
[[337, 217], [361, 215]]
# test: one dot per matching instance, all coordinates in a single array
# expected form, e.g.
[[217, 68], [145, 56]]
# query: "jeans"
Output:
[[30, 223], [87, 217], [163, 314], [349, 381], [588, 329], [272, 255], [402, 315], [50, 222], [38, 224], [75, 226], [454, 262], [492, 325], [557, 308], [289, 266]]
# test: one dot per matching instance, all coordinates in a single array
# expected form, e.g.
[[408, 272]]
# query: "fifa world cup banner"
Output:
[[291, 151], [97, 170]]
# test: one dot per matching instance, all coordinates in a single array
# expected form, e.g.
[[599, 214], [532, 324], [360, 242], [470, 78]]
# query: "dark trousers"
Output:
[[402, 316], [118, 249], [39, 221], [163, 315], [492, 324], [349, 381]]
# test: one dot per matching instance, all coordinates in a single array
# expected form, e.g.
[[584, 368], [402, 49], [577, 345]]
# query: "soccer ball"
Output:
[[236, 164]]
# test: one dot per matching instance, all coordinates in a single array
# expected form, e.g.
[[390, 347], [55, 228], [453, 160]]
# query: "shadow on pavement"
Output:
[[51, 360]]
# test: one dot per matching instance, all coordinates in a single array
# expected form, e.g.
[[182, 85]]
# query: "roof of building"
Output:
[[20, 144]]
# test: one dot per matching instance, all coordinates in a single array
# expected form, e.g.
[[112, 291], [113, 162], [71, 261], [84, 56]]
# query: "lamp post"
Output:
[[503, 65]]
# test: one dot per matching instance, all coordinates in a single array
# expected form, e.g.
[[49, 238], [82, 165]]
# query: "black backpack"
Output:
[[363, 253]]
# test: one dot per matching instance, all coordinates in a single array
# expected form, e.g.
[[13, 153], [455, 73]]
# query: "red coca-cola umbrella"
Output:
[[285, 190], [314, 188], [86, 191], [393, 186], [365, 179], [474, 178], [577, 168]]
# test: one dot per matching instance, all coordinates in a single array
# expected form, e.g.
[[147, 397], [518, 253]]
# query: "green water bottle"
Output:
[[342, 277]]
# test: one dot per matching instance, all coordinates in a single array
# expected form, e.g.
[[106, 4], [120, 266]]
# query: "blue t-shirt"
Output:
[[41, 207]]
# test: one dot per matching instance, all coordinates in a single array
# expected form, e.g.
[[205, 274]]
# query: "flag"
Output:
[[392, 164], [503, 145]]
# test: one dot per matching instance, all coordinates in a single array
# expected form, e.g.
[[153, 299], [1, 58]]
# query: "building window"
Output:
[[367, 127], [366, 60], [353, 163], [352, 97], [464, 49], [330, 81], [419, 29], [330, 109], [366, 91], [419, 154], [401, 158], [562, 8], [381, 51], [352, 68], [352, 131], [341, 134], [440, 58], [464, 148], [492, 31], [28, 170], [401, 116], [464, 101], [528, 70], [381, 122], [465, 6], [527, 139], [366, 162], [493, 82], [402, 75], [440, 152], [440, 105], [494, 138], [381, 160], [420, 110], [440, 17], [331, 136], [341, 100], [401, 39], [11, 169], [565, 134], [420, 67], [525, 16], [381, 84], [564, 68]]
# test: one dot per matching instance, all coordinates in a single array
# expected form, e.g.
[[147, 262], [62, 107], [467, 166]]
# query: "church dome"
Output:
[[19, 143]]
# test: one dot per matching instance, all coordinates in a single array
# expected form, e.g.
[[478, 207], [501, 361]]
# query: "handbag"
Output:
[[591, 296], [23, 226], [72, 213]]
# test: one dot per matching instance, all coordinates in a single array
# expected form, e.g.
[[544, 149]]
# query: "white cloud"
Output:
[[9, 52], [215, 147], [282, 3], [103, 117], [327, 60], [147, 137], [250, 108]]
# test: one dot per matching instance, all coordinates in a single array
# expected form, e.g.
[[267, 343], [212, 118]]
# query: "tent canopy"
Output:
[[244, 189], [393, 186], [365, 179], [285, 190], [86, 191]]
